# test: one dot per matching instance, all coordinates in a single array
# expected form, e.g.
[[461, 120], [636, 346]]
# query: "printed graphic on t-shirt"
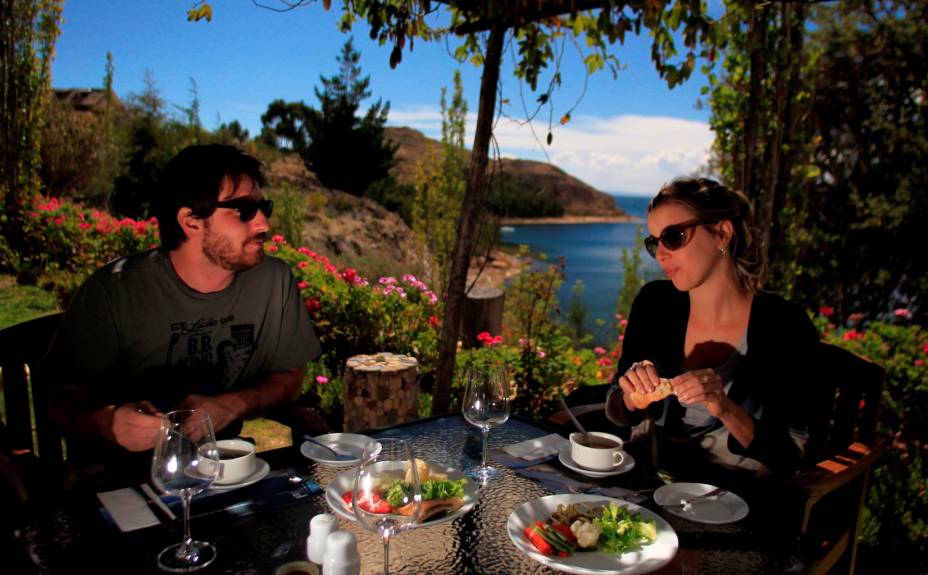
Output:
[[208, 343]]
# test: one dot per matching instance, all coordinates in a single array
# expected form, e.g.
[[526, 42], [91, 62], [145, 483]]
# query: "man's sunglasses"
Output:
[[247, 207], [673, 237]]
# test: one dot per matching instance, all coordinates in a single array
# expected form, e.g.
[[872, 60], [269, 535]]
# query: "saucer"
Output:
[[628, 462], [261, 470], [347, 443], [726, 508]]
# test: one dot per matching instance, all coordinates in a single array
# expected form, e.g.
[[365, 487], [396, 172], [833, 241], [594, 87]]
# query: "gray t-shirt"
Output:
[[136, 331]]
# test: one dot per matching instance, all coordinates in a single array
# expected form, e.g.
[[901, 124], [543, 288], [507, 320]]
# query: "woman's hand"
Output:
[[641, 378], [702, 386]]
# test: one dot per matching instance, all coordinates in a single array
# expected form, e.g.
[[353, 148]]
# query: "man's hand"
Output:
[[220, 411], [135, 425]]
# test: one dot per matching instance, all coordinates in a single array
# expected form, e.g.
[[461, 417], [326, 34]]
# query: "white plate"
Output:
[[347, 443], [261, 470], [645, 559], [628, 463], [727, 508], [344, 481]]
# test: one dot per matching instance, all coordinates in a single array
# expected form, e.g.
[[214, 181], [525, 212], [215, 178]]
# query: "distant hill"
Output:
[[576, 197]]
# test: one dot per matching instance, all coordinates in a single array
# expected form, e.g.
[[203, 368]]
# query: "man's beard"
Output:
[[220, 252]]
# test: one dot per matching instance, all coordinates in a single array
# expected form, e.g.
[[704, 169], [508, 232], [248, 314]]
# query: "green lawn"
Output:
[[20, 303]]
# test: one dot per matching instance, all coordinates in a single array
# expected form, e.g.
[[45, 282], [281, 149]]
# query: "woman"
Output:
[[730, 349]]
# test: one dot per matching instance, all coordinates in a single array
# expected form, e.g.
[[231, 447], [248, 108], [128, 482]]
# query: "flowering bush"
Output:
[[896, 518], [66, 241], [354, 316]]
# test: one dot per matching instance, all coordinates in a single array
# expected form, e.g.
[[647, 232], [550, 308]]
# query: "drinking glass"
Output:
[[486, 405], [186, 461], [387, 496]]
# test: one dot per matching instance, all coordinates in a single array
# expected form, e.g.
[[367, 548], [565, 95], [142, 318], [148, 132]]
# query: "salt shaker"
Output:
[[341, 555], [320, 527]]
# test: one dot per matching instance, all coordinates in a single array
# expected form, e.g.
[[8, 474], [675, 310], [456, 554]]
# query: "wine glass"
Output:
[[186, 461], [387, 496], [486, 405]]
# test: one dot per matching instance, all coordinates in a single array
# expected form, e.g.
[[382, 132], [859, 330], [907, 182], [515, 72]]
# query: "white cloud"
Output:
[[634, 154]]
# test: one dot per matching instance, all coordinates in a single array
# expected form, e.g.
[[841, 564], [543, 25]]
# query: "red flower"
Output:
[[302, 265], [272, 248], [433, 321], [919, 362], [604, 362], [350, 275], [599, 350], [826, 311], [303, 284], [278, 239], [312, 305]]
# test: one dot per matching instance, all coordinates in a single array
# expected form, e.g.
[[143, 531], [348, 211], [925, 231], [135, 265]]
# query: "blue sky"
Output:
[[628, 134]]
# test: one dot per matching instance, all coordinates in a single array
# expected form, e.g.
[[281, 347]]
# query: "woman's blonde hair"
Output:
[[712, 203]]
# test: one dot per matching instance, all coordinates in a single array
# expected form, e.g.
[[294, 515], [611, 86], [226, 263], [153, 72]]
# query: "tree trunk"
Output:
[[757, 41], [483, 312], [467, 221], [380, 391]]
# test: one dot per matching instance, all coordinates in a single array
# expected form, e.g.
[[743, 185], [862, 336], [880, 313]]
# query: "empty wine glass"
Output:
[[186, 461], [486, 405], [387, 496]]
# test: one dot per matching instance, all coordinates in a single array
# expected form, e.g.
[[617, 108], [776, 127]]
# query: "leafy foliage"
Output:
[[345, 152]]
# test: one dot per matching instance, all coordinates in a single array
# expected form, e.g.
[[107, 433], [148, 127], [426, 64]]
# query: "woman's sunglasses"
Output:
[[673, 237], [247, 208]]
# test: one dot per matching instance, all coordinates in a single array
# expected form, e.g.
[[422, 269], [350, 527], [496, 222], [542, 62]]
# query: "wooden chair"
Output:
[[844, 446], [831, 486], [27, 437]]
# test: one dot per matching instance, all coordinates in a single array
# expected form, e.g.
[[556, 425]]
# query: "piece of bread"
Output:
[[433, 507], [642, 400]]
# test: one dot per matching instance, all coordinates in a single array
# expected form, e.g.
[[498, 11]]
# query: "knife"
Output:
[[155, 501]]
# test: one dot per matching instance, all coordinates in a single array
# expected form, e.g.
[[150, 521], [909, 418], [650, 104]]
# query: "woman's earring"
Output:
[[722, 251]]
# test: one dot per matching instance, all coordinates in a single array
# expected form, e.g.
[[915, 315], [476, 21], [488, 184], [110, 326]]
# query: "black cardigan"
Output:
[[781, 343]]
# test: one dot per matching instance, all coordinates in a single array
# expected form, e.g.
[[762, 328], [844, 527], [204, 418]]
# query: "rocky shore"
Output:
[[570, 220]]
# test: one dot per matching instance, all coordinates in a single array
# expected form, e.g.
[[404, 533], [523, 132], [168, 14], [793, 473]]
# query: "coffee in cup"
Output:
[[236, 460], [596, 450]]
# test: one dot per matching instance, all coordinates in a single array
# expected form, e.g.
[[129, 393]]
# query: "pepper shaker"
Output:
[[320, 527], [341, 555]]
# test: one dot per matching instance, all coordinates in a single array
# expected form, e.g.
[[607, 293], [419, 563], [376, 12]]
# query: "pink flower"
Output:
[[483, 336], [303, 284], [623, 323], [302, 264], [59, 220], [926, 349], [387, 281], [604, 362], [272, 248], [903, 313], [856, 317], [84, 226], [851, 335], [541, 353], [826, 311], [598, 350], [621, 338], [322, 380], [278, 239], [919, 362]]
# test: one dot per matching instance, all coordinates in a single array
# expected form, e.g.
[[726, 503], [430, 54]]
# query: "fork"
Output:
[[685, 503]]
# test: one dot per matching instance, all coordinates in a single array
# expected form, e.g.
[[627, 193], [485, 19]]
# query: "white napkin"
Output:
[[537, 448], [127, 508]]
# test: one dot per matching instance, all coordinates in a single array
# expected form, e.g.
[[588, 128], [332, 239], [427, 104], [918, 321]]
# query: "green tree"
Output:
[[28, 31], [440, 184], [346, 152]]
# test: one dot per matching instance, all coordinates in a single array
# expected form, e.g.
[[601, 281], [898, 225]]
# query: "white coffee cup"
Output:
[[601, 452], [236, 460]]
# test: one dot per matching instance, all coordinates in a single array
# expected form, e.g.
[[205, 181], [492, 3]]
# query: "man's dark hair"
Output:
[[192, 179]]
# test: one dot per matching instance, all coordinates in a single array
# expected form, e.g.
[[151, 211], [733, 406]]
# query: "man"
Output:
[[207, 321]]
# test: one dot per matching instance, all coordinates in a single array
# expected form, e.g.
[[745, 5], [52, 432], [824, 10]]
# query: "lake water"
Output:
[[592, 254]]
